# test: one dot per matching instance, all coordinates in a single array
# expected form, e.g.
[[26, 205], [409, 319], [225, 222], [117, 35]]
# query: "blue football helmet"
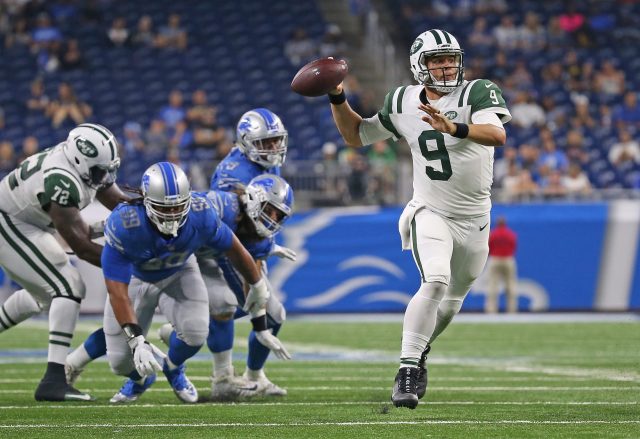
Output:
[[268, 202], [167, 196], [262, 137]]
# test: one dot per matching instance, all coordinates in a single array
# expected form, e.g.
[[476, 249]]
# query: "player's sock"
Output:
[[135, 376], [63, 315], [96, 344], [179, 351], [17, 308], [258, 352], [419, 322], [220, 342]]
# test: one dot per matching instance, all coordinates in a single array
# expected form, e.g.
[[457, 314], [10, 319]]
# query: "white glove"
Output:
[[257, 297], [143, 356], [267, 339], [283, 252], [96, 230]]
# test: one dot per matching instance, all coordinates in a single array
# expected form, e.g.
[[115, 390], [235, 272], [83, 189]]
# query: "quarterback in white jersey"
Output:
[[452, 126], [45, 194]]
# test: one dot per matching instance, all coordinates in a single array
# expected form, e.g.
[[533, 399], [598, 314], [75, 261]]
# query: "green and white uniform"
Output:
[[29, 251], [445, 224]]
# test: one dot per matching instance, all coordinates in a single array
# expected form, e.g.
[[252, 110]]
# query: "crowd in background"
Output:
[[564, 73]]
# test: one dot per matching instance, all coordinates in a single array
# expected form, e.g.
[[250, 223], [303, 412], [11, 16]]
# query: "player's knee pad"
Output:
[[432, 290], [72, 275], [26, 303], [194, 331], [276, 310], [437, 269], [120, 360]]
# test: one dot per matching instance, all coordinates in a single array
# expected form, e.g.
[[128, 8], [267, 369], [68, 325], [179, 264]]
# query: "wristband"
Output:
[[259, 323], [132, 330], [462, 130], [337, 99]]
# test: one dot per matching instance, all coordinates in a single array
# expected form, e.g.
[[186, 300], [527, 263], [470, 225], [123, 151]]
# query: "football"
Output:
[[318, 77]]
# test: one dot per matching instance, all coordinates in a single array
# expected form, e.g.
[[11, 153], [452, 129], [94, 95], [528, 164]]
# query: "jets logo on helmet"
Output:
[[268, 203], [93, 151], [262, 137], [167, 196], [86, 147], [432, 43]]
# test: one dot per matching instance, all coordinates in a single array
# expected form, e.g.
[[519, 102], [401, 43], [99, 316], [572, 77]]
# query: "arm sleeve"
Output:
[[486, 117], [115, 266], [372, 130]]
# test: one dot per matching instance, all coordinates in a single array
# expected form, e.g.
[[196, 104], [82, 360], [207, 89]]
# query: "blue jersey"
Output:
[[228, 208], [236, 170], [135, 247]]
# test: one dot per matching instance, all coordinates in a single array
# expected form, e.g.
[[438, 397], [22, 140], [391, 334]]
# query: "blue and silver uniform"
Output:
[[135, 247], [236, 170]]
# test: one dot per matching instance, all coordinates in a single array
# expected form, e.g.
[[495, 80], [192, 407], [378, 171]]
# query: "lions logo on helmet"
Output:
[[435, 42], [262, 137], [93, 151], [167, 196], [268, 203]]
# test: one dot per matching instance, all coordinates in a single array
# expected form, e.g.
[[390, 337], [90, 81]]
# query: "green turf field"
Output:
[[487, 380]]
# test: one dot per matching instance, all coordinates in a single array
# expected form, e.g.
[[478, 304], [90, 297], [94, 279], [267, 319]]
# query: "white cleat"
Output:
[[72, 373], [265, 386], [231, 387]]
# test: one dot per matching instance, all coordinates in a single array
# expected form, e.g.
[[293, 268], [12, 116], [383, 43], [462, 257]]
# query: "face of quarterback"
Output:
[[444, 67]]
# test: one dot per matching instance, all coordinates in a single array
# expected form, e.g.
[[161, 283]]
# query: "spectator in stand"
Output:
[[38, 100], [8, 160], [576, 181], [552, 158], [382, 172], [332, 174], [532, 36], [157, 140], [199, 107], [502, 267], [174, 112], [609, 80], [71, 57], [144, 35], [357, 181], [553, 185], [45, 34], [300, 48], [332, 43], [529, 156], [67, 106], [526, 188], [491, 7], [575, 149], [480, 37], [208, 134], [182, 137], [626, 150], [574, 23], [582, 117], [556, 35], [527, 113], [510, 182], [555, 117], [133, 144], [500, 67], [19, 34], [30, 146], [506, 34], [502, 165], [172, 35], [628, 113], [118, 34]]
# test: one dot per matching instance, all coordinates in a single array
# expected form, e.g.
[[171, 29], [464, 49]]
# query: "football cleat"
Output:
[[72, 373], [404, 388], [131, 391], [164, 332], [228, 387], [182, 387], [421, 383], [50, 390], [265, 386]]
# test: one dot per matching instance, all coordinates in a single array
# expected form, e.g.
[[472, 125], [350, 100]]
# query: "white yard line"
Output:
[[337, 424]]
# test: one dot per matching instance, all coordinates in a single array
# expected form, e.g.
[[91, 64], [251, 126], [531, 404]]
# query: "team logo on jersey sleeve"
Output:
[[451, 115], [417, 44], [86, 147]]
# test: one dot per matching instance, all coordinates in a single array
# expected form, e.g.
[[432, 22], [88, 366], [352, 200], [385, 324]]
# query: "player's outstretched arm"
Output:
[[69, 223], [347, 121], [112, 196]]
